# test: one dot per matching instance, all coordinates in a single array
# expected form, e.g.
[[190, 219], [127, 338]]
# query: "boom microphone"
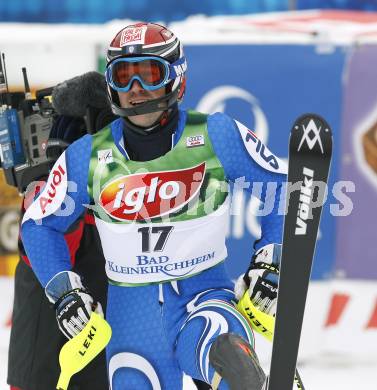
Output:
[[74, 96]]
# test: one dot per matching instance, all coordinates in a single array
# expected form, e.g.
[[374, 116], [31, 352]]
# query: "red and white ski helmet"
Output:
[[149, 39]]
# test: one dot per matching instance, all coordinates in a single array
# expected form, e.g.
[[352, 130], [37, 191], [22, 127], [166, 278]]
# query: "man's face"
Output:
[[136, 95]]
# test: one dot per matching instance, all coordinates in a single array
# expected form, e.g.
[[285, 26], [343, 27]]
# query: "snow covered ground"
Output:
[[316, 375]]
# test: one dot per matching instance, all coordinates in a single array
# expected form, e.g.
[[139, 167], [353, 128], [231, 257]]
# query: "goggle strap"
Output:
[[177, 68]]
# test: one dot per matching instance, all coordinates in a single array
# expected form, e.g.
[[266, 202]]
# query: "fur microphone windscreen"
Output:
[[73, 96]]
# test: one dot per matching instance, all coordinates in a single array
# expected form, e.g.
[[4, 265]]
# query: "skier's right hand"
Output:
[[72, 302]]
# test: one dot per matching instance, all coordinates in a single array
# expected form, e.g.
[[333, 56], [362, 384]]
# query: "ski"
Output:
[[310, 149]]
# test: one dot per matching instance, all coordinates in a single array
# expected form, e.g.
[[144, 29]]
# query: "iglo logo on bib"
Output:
[[153, 194]]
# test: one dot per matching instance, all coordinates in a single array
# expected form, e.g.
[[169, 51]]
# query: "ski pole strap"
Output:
[[261, 322], [266, 266]]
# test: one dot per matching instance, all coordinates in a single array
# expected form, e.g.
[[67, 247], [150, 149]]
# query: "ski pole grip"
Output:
[[63, 381]]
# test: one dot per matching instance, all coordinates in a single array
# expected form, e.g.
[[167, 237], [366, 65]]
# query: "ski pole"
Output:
[[79, 351]]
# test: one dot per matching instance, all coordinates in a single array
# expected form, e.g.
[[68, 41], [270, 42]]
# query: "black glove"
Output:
[[73, 303], [261, 279]]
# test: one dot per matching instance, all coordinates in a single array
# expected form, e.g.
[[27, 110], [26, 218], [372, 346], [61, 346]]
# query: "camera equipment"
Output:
[[25, 125], [26, 152]]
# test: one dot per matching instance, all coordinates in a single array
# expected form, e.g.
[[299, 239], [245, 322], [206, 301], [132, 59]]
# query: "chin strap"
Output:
[[162, 103]]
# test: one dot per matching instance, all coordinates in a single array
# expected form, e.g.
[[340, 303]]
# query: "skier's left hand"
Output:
[[261, 279]]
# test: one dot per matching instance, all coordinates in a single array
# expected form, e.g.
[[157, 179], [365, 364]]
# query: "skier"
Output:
[[33, 364], [156, 180]]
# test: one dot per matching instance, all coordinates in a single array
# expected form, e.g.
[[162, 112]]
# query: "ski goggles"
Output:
[[151, 72]]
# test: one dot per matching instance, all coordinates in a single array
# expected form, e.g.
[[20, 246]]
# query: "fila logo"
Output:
[[311, 135], [195, 140], [261, 149], [105, 156], [259, 152], [304, 204]]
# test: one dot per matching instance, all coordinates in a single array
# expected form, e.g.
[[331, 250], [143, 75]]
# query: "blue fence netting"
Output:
[[99, 11]]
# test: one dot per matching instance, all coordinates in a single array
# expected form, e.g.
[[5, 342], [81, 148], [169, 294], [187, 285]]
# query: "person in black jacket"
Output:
[[35, 341]]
